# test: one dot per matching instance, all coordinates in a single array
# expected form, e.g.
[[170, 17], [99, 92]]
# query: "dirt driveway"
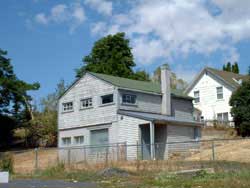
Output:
[[46, 183]]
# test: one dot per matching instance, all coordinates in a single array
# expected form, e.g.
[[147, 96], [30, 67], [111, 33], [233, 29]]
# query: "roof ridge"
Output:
[[124, 78]]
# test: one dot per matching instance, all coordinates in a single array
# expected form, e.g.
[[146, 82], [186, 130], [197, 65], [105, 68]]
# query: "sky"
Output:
[[46, 40]]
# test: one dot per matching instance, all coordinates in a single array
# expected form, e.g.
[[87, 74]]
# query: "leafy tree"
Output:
[[141, 75], [249, 70], [229, 67], [15, 105], [240, 102], [176, 83], [42, 130], [224, 68], [110, 55]]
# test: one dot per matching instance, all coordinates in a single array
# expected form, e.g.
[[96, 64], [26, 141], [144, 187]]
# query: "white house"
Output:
[[100, 109], [211, 90]]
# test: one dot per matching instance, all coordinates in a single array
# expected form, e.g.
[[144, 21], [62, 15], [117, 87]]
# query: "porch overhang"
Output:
[[159, 118]]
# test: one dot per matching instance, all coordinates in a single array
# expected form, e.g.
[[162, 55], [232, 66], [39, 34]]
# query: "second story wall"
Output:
[[144, 102], [87, 87], [182, 108], [208, 103]]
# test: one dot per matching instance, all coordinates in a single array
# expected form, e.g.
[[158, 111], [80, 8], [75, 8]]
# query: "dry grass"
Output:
[[24, 161], [237, 150]]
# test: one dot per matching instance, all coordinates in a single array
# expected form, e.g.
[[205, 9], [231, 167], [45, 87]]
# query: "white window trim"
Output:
[[67, 137], [130, 104], [79, 144], [107, 104], [198, 91], [222, 92], [66, 111], [86, 98]]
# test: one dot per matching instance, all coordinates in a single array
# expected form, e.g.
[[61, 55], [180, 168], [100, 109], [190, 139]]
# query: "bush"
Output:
[[6, 163]]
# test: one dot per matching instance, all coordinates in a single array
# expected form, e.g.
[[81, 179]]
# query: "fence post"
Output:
[[137, 156], [117, 151], [106, 156], [213, 151], [85, 156], [126, 151], [69, 156], [36, 158]]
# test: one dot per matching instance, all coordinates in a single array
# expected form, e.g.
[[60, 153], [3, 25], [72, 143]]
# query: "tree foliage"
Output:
[[231, 67], [176, 83], [15, 108], [240, 102], [42, 130], [110, 55]]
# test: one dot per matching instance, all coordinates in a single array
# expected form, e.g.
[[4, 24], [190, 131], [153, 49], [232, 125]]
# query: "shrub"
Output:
[[6, 163]]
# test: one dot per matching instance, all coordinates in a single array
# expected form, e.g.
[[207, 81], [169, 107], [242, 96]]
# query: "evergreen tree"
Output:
[[229, 67]]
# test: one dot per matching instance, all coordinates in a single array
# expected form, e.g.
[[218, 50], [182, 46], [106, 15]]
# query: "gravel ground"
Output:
[[46, 184]]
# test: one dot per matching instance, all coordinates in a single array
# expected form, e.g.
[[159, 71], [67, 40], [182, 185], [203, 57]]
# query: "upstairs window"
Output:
[[86, 103], [222, 117], [68, 106], [196, 96], [128, 99], [106, 99], [66, 141], [219, 91], [79, 140]]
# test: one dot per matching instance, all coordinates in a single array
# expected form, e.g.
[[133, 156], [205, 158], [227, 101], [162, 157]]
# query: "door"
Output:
[[145, 142], [99, 139]]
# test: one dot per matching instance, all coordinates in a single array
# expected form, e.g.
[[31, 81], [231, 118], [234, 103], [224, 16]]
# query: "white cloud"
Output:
[[41, 18], [73, 15], [98, 28], [101, 6], [167, 29]]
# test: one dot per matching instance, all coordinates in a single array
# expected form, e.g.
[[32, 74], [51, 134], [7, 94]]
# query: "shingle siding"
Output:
[[88, 86], [144, 102]]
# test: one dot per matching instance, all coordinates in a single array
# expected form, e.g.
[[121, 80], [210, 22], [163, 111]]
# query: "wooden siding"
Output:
[[144, 102], [88, 86], [182, 109], [209, 104], [128, 131]]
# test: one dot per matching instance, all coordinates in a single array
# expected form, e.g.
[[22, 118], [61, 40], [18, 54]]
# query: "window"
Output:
[[66, 141], [86, 103], [219, 92], [196, 133], [79, 140], [67, 106], [196, 96], [128, 99], [106, 99], [222, 117]]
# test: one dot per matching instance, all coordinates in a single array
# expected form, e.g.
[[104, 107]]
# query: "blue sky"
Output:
[[47, 40]]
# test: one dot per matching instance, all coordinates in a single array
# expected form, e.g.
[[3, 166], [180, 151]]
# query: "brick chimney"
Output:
[[166, 90]]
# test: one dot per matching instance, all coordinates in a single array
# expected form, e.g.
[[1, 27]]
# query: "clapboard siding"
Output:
[[88, 86], [209, 104], [182, 109], [128, 132], [144, 102], [180, 133]]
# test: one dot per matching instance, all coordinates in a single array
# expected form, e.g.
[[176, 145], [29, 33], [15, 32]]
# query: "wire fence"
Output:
[[238, 150]]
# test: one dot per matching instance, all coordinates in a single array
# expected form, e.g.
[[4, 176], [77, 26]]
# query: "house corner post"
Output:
[[152, 140]]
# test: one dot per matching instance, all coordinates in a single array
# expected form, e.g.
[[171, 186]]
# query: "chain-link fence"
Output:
[[26, 161]]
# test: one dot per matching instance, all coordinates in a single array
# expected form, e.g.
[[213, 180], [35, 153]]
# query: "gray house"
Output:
[[100, 109]]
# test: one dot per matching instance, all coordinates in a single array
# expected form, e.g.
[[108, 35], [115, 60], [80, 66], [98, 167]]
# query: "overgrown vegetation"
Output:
[[240, 102], [226, 174], [6, 162]]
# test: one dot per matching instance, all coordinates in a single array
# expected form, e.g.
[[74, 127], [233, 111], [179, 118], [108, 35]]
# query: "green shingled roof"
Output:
[[229, 77], [136, 85]]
